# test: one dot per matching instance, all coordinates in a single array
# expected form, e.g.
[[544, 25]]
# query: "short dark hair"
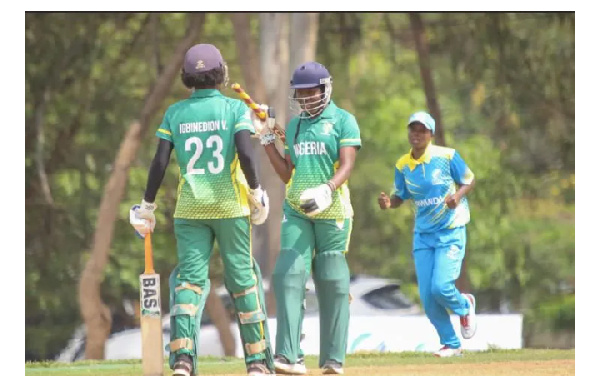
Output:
[[207, 79]]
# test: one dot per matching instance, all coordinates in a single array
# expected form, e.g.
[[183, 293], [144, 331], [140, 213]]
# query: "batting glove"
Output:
[[259, 205], [315, 200], [142, 220], [264, 129]]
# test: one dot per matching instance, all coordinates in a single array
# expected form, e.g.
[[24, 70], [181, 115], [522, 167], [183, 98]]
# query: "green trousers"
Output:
[[317, 246], [189, 284]]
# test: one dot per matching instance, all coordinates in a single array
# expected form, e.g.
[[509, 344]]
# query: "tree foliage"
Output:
[[505, 87]]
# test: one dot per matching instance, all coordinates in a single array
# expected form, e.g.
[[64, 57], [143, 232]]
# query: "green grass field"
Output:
[[523, 362]]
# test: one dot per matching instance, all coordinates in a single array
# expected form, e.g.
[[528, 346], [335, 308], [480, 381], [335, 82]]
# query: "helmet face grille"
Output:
[[312, 106]]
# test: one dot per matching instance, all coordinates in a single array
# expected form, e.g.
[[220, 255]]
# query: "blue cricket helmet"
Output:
[[310, 75]]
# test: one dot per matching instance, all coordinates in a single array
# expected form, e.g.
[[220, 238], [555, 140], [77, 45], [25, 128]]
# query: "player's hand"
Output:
[[141, 217], [263, 127], [259, 126], [266, 131], [452, 201], [384, 201], [259, 205], [315, 200]]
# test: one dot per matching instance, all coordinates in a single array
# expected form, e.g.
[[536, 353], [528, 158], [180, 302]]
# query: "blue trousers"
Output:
[[438, 259]]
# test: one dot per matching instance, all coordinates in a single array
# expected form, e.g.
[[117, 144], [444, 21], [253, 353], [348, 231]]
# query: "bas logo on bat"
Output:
[[150, 296]]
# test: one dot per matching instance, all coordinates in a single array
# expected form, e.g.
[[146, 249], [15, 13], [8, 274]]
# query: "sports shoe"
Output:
[[258, 368], [182, 366], [446, 351], [332, 367], [468, 323], [283, 365]]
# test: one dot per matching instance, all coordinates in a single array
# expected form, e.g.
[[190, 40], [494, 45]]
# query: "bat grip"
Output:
[[148, 255]]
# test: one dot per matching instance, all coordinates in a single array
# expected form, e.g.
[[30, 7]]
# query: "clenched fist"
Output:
[[452, 201], [384, 201]]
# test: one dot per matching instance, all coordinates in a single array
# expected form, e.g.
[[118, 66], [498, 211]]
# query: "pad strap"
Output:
[[254, 348], [253, 289], [191, 287], [251, 317], [184, 309], [184, 343]]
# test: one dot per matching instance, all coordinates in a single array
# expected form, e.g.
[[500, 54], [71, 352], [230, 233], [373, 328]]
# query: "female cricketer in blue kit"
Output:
[[429, 175]]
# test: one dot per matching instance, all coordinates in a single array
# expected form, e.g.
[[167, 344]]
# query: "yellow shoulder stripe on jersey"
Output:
[[161, 130], [346, 140]]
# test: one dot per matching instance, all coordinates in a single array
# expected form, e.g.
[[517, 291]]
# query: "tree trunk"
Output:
[[422, 45], [274, 63], [39, 153], [95, 313], [303, 48], [247, 52], [303, 39], [265, 237], [221, 319]]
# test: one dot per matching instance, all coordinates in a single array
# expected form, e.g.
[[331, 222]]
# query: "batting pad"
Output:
[[186, 302]]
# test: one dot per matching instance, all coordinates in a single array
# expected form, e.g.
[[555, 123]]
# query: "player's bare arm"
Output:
[[452, 201], [283, 166], [347, 159]]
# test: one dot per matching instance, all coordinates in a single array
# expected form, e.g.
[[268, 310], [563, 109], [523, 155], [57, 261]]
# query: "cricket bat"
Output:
[[150, 319], [262, 115]]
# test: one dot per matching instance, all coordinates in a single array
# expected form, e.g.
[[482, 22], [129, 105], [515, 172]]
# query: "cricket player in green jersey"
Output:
[[218, 198], [321, 142]]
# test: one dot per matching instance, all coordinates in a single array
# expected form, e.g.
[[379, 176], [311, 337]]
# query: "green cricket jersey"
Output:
[[201, 128], [314, 147]]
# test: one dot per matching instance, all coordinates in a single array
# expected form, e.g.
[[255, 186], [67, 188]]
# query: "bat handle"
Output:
[[149, 257]]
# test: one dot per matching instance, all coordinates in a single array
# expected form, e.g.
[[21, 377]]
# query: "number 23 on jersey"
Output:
[[217, 162]]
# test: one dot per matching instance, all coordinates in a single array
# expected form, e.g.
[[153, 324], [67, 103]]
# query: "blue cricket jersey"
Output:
[[427, 181]]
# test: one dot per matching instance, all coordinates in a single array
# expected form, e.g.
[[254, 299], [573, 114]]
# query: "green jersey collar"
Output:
[[205, 93]]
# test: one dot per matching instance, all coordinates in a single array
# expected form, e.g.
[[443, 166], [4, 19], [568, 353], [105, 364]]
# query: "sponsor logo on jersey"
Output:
[[431, 201], [327, 127], [436, 177]]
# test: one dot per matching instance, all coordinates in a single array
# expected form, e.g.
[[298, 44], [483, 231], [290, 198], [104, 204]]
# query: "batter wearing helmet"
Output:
[[219, 198], [321, 142]]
